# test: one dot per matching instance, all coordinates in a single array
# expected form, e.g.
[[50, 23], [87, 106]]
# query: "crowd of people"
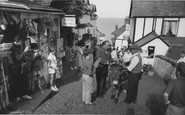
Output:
[[131, 59], [27, 62]]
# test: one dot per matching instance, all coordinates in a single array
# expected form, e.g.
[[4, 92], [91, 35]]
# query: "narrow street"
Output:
[[68, 100]]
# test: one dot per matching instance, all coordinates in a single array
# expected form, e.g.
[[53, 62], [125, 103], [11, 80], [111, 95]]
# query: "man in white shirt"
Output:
[[114, 54], [127, 57], [135, 73]]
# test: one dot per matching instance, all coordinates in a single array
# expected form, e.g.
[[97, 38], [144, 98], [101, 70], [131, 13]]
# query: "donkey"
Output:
[[117, 75]]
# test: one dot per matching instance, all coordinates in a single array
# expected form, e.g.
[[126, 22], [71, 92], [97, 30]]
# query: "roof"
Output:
[[119, 31], [28, 6], [101, 34], [148, 38], [157, 8], [84, 25]]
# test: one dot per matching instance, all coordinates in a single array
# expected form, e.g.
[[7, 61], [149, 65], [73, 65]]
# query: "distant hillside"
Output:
[[107, 25]]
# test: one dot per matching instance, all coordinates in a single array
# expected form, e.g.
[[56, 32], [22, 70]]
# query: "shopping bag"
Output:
[[57, 74]]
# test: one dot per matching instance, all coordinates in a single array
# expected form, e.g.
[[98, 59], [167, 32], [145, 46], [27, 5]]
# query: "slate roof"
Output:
[[157, 8], [119, 31], [148, 38]]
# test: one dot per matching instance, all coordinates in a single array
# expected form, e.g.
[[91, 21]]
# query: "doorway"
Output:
[[151, 50]]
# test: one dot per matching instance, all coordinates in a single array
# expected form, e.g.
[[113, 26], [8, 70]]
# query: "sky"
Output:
[[112, 8]]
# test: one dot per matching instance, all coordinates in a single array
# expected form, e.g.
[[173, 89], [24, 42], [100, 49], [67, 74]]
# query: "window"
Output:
[[170, 27]]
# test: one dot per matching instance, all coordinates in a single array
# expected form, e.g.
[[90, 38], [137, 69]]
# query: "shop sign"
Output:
[[69, 21]]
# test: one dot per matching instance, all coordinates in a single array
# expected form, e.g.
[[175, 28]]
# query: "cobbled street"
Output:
[[68, 100]]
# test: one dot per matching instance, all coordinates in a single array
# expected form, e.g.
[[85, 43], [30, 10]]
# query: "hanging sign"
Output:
[[69, 21]]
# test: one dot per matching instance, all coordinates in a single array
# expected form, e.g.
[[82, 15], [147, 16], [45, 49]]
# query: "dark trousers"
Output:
[[101, 75], [25, 85], [15, 82], [132, 87]]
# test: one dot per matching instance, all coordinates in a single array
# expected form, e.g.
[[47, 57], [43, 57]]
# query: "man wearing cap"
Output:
[[135, 73]]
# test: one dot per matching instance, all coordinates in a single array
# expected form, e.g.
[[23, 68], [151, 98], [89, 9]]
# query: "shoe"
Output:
[[75, 67], [53, 89], [125, 91], [56, 87], [71, 68], [18, 99], [27, 97], [90, 103]]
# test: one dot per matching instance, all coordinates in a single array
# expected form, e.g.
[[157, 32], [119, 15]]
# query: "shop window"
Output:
[[170, 27], [151, 50]]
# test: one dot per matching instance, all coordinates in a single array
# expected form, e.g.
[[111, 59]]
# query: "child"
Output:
[[87, 77], [36, 67], [52, 64]]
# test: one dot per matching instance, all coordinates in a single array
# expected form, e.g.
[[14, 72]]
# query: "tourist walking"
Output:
[[87, 77], [135, 73], [102, 70], [52, 64], [174, 93]]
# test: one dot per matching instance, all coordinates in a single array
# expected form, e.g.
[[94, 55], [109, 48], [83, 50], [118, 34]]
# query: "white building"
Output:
[[158, 26]]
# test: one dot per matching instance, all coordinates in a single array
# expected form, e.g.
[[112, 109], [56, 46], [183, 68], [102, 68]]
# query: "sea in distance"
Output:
[[107, 25]]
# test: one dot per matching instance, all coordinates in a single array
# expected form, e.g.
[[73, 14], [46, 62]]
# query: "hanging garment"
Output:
[[41, 26]]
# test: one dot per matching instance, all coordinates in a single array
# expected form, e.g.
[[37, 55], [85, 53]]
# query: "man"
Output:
[[127, 57], [135, 73], [114, 54], [102, 70], [174, 95]]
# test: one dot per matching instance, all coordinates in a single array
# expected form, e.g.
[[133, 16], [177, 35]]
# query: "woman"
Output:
[[87, 77], [52, 64], [26, 70]]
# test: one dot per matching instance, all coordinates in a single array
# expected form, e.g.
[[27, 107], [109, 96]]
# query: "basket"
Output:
[[5, 46]]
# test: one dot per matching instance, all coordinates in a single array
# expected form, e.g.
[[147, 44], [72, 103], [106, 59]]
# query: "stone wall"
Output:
[[164, 66]]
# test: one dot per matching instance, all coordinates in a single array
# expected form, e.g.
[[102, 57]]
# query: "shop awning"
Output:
[[84, 25], [28, 6]]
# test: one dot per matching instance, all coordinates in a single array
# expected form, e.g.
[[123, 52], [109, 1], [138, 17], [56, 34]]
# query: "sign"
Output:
[[69, 21]]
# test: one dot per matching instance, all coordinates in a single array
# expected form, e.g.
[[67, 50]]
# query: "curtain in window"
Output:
[[170, 25]]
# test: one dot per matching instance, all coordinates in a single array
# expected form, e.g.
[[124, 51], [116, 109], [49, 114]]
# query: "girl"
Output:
[[87, 77], [52, 64]]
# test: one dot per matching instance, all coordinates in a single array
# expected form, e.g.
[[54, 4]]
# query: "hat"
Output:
[[134, 46]]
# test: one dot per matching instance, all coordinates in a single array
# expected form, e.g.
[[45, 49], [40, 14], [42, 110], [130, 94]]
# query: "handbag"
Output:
[[57, 74]]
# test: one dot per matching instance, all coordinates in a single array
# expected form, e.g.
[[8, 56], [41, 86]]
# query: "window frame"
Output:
[[170, 21]]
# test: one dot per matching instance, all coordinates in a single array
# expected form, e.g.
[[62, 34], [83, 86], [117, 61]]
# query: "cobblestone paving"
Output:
[[68, 100]]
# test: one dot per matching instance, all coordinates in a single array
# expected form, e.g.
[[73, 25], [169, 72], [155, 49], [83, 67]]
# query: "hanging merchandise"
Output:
[[15, 17], [31, 30], [3, 19], [54, 26], [7, 18], [41, 26]]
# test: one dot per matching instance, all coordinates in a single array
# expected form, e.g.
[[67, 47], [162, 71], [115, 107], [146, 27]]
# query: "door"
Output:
[[151, 50]]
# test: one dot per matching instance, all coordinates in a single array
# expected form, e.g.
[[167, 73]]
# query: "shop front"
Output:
[[41, 25]]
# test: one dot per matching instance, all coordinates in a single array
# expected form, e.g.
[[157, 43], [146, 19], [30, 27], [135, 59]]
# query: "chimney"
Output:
[[116, 27]]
